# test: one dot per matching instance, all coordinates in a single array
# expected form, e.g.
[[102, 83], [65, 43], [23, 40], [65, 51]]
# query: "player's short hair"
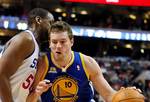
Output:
[[36, 12], [61, 26]]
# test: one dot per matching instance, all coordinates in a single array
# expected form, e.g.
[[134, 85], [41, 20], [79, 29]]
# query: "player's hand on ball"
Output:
[[42, 87], [133, 87], [129, 94]]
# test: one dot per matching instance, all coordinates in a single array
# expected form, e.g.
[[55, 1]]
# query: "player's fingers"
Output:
[[133, 87], [41, 83], [139, 90], [38, 91], [39, 87], [122, 88], [43, 86], [46, 81]]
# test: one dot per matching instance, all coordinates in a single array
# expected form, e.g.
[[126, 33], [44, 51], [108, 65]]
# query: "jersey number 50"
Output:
[[28, 82]]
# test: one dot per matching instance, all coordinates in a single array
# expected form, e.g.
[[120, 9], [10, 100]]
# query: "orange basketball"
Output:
[[128, 95]]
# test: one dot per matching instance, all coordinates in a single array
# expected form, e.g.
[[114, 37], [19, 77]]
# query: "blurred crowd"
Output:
[[126, 72]]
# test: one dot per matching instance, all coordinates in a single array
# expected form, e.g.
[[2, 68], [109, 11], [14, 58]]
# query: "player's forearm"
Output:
[[108, 94], [109, 97], [5, 89], [32, 97]]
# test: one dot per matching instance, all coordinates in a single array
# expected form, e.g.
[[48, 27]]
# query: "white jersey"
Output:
[[22, 80]]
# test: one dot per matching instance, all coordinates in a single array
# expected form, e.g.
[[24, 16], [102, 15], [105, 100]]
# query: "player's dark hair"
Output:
[[36, 12]]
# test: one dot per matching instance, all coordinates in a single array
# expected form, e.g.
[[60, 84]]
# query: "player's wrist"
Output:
[[35, 94]]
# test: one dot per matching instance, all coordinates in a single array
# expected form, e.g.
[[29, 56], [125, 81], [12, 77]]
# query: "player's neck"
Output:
[[33, 30], [64, 61]]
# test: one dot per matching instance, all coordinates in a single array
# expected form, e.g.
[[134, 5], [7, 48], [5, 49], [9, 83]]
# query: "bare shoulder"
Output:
[[21, 44], [16, 50], [24, 37], [24, 40], [89, 60], [91, 65]]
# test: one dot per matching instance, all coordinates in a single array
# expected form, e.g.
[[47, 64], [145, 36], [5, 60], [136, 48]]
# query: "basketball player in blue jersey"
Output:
[[19, 57], [72, 74]]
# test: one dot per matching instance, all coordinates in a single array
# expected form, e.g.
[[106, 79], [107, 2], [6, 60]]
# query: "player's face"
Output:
[[60, 44], [44, 26], [48, 21]]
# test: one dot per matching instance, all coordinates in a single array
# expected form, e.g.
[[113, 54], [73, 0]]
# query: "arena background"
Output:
[[115, 32]]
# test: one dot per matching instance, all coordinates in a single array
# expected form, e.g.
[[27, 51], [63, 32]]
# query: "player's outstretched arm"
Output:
[[99, 82], [39, 85], [42, 86]]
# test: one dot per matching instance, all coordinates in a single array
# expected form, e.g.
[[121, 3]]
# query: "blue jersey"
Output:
[[69, 85]]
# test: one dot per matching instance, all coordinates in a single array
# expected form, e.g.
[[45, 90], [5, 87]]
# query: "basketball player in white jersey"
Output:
[[19, 57]]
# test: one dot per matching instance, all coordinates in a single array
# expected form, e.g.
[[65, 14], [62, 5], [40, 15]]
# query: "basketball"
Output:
[[128, 95]]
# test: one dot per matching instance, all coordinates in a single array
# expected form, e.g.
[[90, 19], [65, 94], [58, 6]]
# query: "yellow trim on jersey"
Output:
[[67, 66], [47, 66], [72, 59], [83, 64]]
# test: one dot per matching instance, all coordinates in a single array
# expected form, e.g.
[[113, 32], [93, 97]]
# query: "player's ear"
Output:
[[49, 40], [49, 45], [38, 19], [72, 41]]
